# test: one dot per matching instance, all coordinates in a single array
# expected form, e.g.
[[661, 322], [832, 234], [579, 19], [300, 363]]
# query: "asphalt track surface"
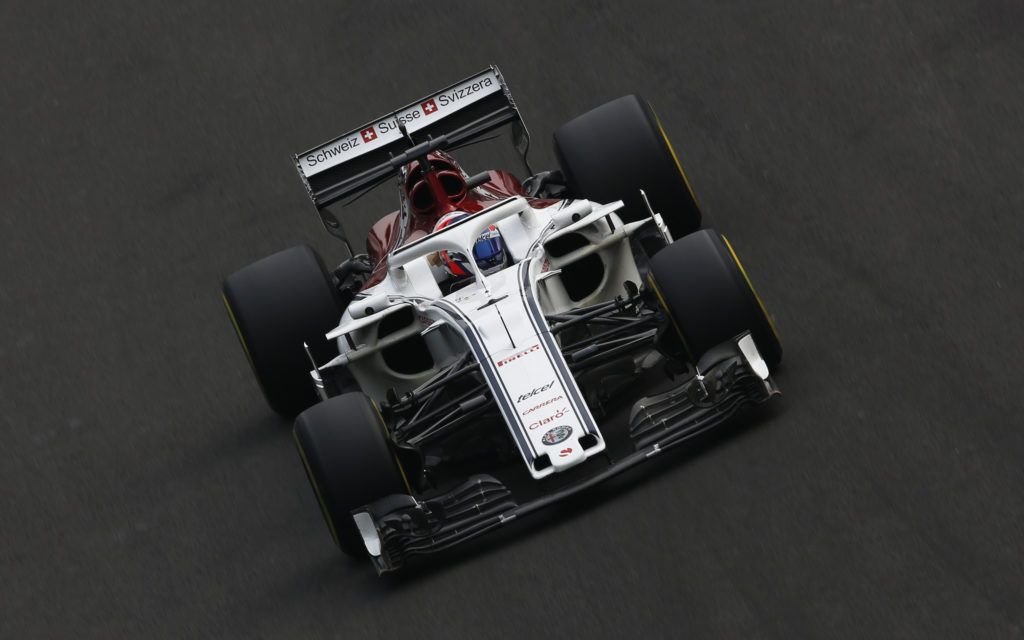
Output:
[[864, 157]]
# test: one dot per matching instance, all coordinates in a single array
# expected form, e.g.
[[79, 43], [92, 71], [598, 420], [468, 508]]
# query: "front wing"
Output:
[[727, 378]]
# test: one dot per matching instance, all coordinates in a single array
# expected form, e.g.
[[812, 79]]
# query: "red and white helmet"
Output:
[[454, 263], [488, 250]]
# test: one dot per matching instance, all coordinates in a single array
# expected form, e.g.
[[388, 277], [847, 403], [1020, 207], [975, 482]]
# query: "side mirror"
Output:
[[334, 227]]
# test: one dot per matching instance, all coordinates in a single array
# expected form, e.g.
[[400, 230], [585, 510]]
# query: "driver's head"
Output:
[[489, 250]]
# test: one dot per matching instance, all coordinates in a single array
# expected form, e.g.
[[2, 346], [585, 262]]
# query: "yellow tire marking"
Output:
[[668, 312], [316, 489], [672, 150], [760, 303], [238, 331]]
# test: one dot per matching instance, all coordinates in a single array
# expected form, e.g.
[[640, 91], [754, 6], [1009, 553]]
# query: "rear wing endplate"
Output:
[[368, 155]]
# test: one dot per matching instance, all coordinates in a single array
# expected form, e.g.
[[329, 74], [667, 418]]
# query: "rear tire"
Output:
[[348, 461], [275, 305], [613, 151], [707, 294]]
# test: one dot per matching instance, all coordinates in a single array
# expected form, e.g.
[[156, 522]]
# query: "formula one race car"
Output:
[[493, 326]]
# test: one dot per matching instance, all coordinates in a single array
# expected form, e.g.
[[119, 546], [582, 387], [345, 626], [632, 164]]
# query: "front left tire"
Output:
[[349, 462]]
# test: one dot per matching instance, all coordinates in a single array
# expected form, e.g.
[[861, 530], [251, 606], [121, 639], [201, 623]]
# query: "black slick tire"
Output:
[[703, 287], [613, 151], [275, 305], [345, 451]]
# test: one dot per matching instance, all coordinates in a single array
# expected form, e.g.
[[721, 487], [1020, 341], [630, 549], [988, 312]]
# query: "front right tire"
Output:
[[702, 286], [613, 151]]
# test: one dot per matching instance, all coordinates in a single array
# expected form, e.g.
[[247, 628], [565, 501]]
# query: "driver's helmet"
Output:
[[488, 251]]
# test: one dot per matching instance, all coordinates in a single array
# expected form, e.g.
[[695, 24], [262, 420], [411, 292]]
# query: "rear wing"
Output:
[[366, 156]]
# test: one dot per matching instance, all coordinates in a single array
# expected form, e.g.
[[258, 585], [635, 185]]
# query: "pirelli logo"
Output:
[[517, 355]]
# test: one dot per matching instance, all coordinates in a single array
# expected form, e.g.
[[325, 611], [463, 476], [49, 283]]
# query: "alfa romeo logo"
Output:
[[556, 434]]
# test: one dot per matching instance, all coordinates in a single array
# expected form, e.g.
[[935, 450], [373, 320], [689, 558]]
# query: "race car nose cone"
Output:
[[566, 455]]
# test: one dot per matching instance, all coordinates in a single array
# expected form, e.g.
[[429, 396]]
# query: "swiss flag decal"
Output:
[[369, 135], [429, 107]]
